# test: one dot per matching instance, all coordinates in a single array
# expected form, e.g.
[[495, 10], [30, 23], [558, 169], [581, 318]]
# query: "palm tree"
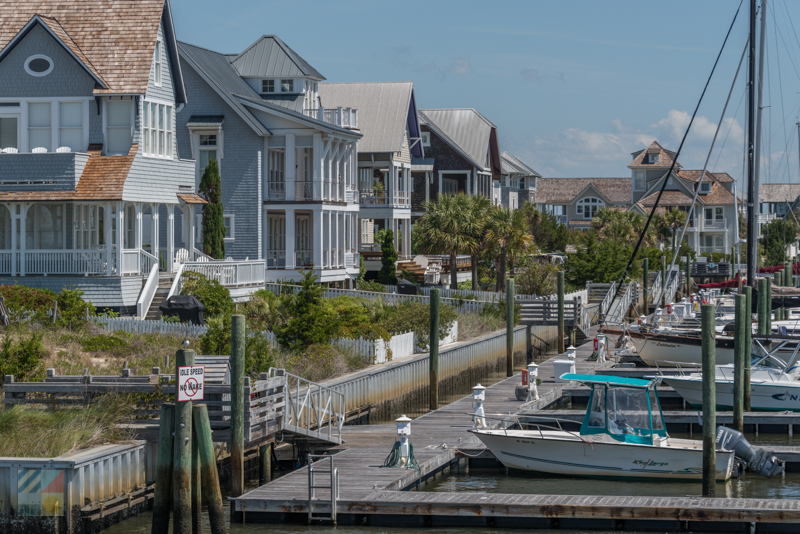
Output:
[[509, 230], [479, 208], [674, 219], [448, 227]]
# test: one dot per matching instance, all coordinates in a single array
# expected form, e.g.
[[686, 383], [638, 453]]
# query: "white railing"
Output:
[[618, 309], [177, 283], [486, 296], [350, 196], [374, 351], [672, 285], [147, 262], [199, 255], [148, 292], [61, 262], [5, 261], [230, 273], [655, 288], [372, 198], [342, 117], [276, 259], [143, 326], [303, 258], [131, 261], [605, 305], [714, 224], [350, 260], [276, 190], [311, 409], [713, 248]]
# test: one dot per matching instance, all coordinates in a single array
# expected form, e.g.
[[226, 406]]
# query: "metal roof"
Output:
[[384, 111], [271, 57], [291, 101], [512, 165], [205, 120], [422, 164], [465, 129]]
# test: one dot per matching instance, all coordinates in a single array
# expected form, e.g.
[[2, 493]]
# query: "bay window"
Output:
[[70, 126], [157, 129]]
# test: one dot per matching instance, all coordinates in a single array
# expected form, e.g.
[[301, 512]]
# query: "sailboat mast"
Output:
[[752, 194]]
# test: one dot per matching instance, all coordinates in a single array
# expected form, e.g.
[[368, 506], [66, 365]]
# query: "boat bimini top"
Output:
[[627, 409]]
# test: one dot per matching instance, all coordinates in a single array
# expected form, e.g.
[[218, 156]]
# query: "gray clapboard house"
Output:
[[517, 183], [93, 192], [389, 122], [288, 165]]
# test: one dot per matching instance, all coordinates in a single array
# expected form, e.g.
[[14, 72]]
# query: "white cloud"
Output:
[[461, 66]]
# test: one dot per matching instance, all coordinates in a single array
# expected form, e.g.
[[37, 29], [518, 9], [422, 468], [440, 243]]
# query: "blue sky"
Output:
[[573, 86]]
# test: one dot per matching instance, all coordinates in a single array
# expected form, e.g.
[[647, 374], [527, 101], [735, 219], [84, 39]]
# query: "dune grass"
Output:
[[36, 431]]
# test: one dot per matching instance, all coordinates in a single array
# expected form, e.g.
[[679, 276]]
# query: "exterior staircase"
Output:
[[164, 284]]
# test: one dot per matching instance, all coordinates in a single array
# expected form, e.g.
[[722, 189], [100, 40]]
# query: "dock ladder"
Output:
[[316, 467]]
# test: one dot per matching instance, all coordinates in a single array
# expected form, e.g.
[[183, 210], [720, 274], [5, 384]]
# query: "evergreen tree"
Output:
[[775, 237], [388, 272], [213, 223]]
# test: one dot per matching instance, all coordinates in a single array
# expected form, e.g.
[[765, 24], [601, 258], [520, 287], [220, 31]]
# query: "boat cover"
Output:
[[723, 285], [608, 380]]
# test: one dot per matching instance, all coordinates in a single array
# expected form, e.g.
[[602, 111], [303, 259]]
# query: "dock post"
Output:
[[778, 279], [237, 405], [264, 464], [162, 503], [197, 492], [663, 281], [739, 347], [560, 286], [182, 455], [433, 360], [787, 274], [688, 276], [528, 345], [208, 469], [762, 306], [645, 279], [708, 311], [769, 308], [510, 325], [748, 342]]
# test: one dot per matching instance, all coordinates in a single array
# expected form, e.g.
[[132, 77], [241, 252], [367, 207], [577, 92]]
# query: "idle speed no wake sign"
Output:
[[190, 383]]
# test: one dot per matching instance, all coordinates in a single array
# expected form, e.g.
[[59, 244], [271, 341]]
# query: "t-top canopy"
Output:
[[609, 380]]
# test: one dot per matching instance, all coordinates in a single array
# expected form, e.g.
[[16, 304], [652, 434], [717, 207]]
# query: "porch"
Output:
[[382, 188]]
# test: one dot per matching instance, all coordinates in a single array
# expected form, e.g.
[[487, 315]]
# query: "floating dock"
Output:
[[370, 494]]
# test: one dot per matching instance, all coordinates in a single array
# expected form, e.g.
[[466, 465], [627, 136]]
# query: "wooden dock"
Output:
[[371, 494]]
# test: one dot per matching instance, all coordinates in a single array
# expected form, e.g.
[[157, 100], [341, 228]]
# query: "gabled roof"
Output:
[[384, 112], [671, 198], [564, 190], [694, 176], [113, 39], [512, 165], [466, 130], [270, 57], [779, 192], [665, 157]]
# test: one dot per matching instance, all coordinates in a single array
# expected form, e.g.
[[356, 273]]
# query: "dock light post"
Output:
[[433, 355], [560, 289], [533, 389], [510, 326], [739, 362], [571, 352], [478, 396], [708, 312], [748, 342], [403, 432]]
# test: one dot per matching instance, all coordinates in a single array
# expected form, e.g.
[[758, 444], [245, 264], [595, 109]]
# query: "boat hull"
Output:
[[669, 351], [764, 397], [563, 453]]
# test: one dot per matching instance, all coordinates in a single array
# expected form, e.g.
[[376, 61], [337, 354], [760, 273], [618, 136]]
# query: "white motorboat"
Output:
[[671, 350], [622, 436]]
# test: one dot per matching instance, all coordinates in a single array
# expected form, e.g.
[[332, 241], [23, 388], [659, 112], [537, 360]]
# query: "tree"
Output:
[[448, 228], [548, 233], [388, 272], [598, 261], [775, 237], [479, 208], [213, 222], [311, 319], [509, 230], [674, 219]]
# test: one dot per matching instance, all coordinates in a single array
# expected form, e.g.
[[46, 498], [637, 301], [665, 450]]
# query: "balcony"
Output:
[[375, 198], [714, 224], [706, 249], [341, 117], [48, 170], [310, 190]]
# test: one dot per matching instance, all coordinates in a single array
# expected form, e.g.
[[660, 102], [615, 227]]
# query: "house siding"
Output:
[[446, 159], [166, 91], [239, 166], [62, 169], [117, 293], [141, 186], [68, 77]]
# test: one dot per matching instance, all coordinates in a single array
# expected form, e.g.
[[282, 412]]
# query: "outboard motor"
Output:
[[758, 460]]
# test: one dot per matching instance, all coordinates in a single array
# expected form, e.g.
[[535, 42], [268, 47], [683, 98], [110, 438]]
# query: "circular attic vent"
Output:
[[38, 65]]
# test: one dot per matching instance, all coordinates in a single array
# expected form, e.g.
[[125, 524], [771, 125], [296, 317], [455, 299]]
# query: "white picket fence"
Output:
[[485, 296], [400, 346], [143, 326]]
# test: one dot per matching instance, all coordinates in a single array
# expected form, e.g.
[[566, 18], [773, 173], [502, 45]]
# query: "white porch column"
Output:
[[427, 186], [138, 229], [12, 208], [329, 247], [406, 237], [120, 236], [336, 240], [23, 215], [317, 157], [154, 230], [190, 228], [439, 192], [170, 238], [291, 166], [396, 232], [290, 239], [474, 181], [107, 238], [318, 226]]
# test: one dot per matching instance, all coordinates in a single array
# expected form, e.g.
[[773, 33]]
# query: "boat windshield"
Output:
[[631, 415]]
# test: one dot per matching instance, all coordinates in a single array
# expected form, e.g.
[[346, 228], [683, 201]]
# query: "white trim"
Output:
[[38, 74], [158, 64], [426, 138], [232, 217]]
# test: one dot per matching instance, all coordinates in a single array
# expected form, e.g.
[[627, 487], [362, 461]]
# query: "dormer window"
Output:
[[705, 188], [652, 158], [287, 86], [157, 64], [267, 86]]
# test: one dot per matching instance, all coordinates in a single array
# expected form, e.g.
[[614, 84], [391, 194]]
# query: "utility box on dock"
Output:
[[561, 367]]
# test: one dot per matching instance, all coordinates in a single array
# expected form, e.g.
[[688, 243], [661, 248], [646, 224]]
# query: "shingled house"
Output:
[[92, 189], [517, 184], [288, 164], [461, 155]]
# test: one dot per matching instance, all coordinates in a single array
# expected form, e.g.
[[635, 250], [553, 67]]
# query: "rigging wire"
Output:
[[675, 159]]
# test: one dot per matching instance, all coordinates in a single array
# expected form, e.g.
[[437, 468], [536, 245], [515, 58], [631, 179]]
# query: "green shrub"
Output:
[[26, 302], [23, 358], [318, 362], [497, 311], [416, 316], [214, 296], [72, 308], [258, 357], [388, 272], [105, 342], [374, 286], [265, 310], [311, 319]]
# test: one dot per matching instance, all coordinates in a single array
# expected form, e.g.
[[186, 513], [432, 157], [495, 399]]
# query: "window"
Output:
[[426, 139], [157, 63], [449, 186], [9, 132], [652, 158], [287, 86], [589, 206], [70, 125], [38, 65], [157, 129], [267, 86], [705, 188], [39, 122], [522, 183], [227, 220], [50, 222], [639, 180], [118, 126], [207, 151]]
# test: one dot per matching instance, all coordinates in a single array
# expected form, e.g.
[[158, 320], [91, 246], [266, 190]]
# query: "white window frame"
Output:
[[61, 128], [589, 206], [637, 177], [291, 84], [449, 183], [38, 74], [232, 218], [18, 117], [161, 134], [40, 128], [652, 158], [106, 127], [426, 138], [705, 188], [267, 81], [157, 63]]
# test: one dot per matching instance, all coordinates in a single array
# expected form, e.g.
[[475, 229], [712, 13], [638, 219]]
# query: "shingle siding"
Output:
[[63, 169], [166, 91], [68, 78], [158, 180], [239, 168], [104, 292], [445, 159]]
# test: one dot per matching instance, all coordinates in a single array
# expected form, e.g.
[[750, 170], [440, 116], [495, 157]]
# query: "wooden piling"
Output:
[[560, 286], [787, 275], [708, 312], [762, 306], [663, 281], [237, 404], [769, 308], [778, 279], [182, 455], [264, 464], [645, 280], [510, 325], [433, 353], [162, 503], [688, 276], [748, 336], [739, 341], [212, 495], [197, 492]]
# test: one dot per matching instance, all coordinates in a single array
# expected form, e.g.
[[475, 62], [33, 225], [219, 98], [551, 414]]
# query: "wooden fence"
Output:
[[144, 326]]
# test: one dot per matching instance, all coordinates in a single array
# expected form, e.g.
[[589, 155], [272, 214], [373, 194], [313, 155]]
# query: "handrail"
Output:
[[655, 288], [515, 419], [177, 284], [147, 261], [148, 292], [311, 407]]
